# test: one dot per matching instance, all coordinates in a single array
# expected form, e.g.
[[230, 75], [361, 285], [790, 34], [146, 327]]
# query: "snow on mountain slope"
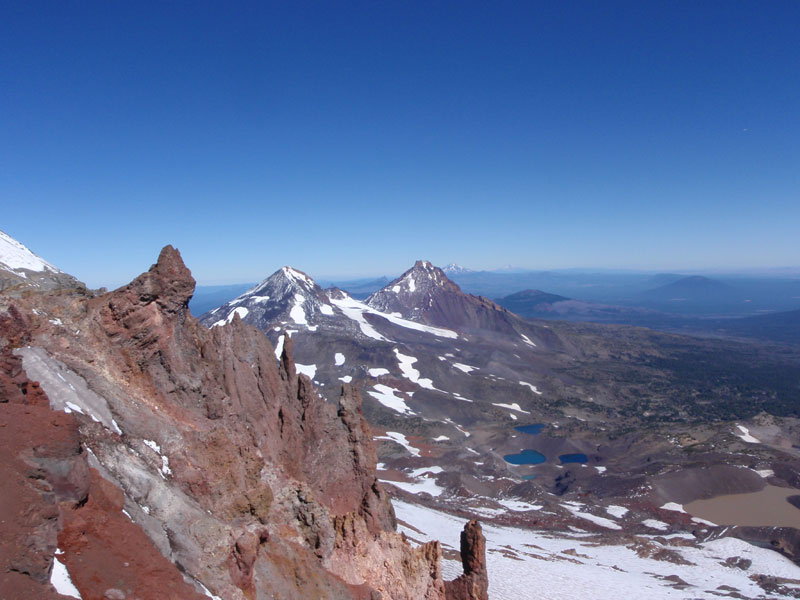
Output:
[[526, 564], [21, 269], [14, 256]]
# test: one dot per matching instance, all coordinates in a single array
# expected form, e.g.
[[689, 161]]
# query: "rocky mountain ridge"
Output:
[[225, 461]]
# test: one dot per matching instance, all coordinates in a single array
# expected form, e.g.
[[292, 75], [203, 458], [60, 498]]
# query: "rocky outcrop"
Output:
[[474, 583], [217, 455]]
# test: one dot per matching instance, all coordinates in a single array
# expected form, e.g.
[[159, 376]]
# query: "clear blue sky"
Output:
[[351, 138]]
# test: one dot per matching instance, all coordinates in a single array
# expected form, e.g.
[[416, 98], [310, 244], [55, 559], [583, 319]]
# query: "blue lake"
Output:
[[573, 458], [526, 457], [528, 477], [531, 429]]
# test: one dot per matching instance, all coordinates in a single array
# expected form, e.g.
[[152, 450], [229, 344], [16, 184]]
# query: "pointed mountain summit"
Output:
[[22, 269], [287, 296], [426, 295]]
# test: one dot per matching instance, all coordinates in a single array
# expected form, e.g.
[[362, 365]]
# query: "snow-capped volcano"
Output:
[[288, 295], [19, 267], [455, 269]]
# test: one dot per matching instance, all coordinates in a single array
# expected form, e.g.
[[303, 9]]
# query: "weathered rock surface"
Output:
[[474, 583], [237, 476]]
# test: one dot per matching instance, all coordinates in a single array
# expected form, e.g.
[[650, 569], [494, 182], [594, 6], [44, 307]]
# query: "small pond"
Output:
[[573, 458], [528, 477], [526, 457], [531, 429]]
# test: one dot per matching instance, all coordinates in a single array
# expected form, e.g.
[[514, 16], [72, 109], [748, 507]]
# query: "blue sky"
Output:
[[350, 138]]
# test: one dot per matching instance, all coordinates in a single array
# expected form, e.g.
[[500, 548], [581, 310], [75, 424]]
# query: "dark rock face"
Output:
[[474, 583], [228, 463]]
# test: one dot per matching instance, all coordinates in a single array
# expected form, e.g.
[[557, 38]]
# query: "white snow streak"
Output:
[[60, 578]]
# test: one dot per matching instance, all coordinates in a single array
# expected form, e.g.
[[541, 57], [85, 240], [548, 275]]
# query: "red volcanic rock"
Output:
[[15, 387], [231, 465], [104, 551], [474, 583], [41, 466]]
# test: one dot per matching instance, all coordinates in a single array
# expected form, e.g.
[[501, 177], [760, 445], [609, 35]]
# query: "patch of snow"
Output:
[[409, 372], [616, 511], [602, 521], [241, 311], [513, 406], [396, 289], [377, 372], [153, 446], [386, 396], [72, 407], [513, 416], [425, 484], [518, 505], [440, 438], [206, 591], [399, 438], [527, 340], [422, 470], [745, 435], [308, 370], [673, 506], [599, 469], [165, 470], [703, 521], [279, 346], [465, 368], [765, 472], [297, 314], [533, 387], [326, 309], [59, 576], [655, 524], [338, 359], [354, 310], [346, 379], [56, 321]]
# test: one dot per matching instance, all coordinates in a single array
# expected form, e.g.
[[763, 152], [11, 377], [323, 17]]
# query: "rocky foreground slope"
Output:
[[182, 462]]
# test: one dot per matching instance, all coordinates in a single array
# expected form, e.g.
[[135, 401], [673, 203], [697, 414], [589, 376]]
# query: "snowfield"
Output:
[[534, 565], [15, 256]]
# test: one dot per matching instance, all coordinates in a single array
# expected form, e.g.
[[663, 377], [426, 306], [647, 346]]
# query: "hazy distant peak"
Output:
[[455, 269]]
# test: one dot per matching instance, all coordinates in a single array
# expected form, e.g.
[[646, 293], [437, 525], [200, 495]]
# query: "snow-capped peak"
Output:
[[297, 276], [455, 269], [14, 256]]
